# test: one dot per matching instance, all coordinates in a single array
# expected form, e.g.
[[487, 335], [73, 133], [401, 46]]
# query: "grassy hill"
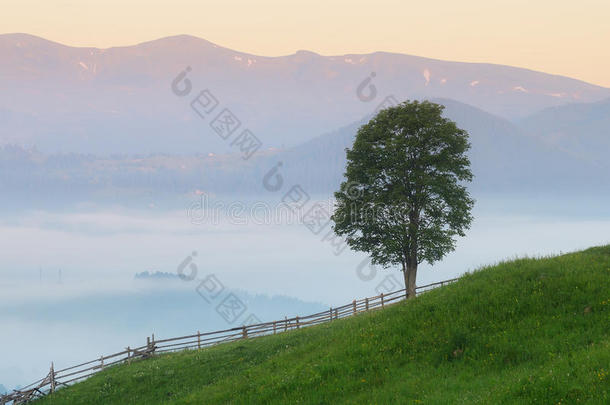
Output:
[[529, 331]]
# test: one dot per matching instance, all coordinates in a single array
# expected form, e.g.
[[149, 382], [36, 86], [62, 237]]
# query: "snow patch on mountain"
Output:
[[427, 76]]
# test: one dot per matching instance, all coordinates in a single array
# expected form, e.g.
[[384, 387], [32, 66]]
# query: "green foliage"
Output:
[[530, 331], [403, 199]]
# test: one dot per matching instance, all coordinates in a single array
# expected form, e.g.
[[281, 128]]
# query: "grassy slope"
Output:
[[526, 331]]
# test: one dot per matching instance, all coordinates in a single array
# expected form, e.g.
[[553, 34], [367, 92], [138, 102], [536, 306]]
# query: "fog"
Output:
[[69, 294]]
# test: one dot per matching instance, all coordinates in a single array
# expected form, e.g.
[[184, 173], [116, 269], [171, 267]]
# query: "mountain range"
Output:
[[91, 124], [119, 100]]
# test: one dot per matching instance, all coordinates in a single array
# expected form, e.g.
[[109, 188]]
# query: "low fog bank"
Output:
[[69, 292], [74, 322]]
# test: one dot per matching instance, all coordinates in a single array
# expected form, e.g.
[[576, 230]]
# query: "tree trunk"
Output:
[[410, 274], [410, 259]]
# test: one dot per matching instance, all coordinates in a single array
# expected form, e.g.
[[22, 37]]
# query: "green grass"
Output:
[[529, 331]]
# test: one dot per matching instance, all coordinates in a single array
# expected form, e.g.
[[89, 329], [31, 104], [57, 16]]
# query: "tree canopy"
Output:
[[404, 199]]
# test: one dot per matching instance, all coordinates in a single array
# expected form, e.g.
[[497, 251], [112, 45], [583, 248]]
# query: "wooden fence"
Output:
[[63, 377]]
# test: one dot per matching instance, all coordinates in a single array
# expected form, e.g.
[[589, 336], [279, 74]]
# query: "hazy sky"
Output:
[[555, 36]]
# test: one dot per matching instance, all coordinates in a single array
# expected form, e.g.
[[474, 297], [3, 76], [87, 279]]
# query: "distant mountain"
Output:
[[118, 100], [505, 159], [580, 130]]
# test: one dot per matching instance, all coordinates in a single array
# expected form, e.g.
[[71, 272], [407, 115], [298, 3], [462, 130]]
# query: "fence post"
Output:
[[198, 340], [52, 378], [285, 323], [331, 313], [366, 301], [381, 300], [128, 355], [274, 327], [354, 305], [297, 322], [244, 332], [336, 314], [102, 362]]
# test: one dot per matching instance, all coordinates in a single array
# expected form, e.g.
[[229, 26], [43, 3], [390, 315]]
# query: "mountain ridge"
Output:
[[64, 99], [194, 38]]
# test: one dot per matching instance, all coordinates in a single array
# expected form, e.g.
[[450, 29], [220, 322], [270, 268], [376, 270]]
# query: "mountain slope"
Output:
[[504, 157], [528, 331], [119, 99], [580, 130]]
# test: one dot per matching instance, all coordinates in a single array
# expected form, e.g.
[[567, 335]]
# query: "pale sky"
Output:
[[554, 36]]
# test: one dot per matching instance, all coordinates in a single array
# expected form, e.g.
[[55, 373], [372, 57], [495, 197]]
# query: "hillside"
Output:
[[525, 331], [505, 158], [580, 130], [497, 144]]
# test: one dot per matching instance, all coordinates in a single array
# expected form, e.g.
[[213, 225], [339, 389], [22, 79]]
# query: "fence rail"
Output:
[[69, 375]]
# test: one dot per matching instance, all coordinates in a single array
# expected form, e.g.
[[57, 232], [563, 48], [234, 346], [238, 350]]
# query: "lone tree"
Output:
[[404, 199]]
